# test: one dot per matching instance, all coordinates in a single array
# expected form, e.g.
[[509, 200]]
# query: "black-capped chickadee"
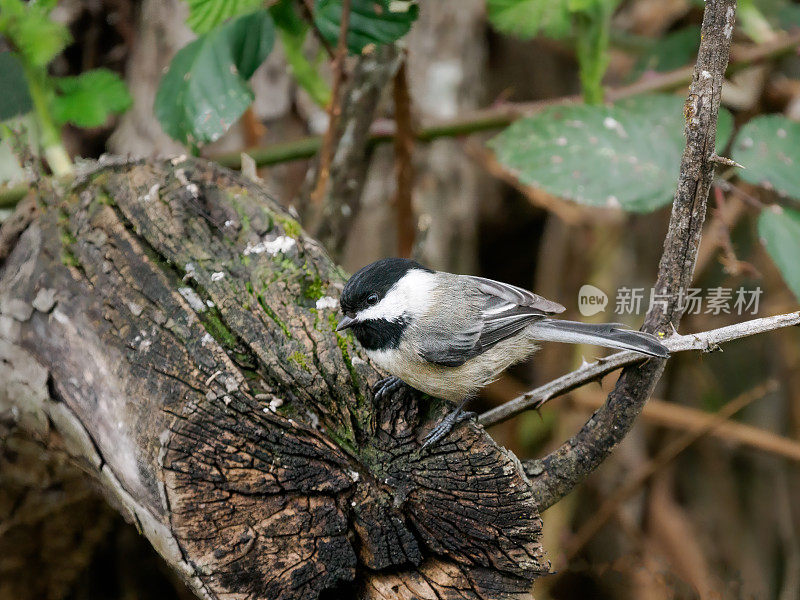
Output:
[[449, 335]]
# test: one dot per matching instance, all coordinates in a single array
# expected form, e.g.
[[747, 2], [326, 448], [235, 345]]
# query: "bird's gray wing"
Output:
[[502, 311], [516, 296]]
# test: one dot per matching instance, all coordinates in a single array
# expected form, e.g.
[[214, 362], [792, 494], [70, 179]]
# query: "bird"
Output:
[[450, 335]]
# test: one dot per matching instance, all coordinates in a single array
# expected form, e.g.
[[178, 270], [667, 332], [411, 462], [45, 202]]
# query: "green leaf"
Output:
[[88, 99], [672, 51], [292, 31], [204, 15], [205, 89], [769, 149], [623, 155], [31, 32], [15, 99], [527, 18], [371, 21], [779, 229]]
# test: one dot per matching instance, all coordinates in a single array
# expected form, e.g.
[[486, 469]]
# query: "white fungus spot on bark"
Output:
[[16, 309], [60, 317], [281, 243], [327, 302], [217, 276], [729, 22], [45, 300], [190, 271], [192, 298]]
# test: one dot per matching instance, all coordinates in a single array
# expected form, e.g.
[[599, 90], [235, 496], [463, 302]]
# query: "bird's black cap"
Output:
[[376, 278]]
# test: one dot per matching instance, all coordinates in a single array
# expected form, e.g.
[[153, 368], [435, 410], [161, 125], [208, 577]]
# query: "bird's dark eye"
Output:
[[372, 299]]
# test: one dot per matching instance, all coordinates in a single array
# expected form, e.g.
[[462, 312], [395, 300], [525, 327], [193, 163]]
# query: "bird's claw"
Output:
[[446, 425], [386, 386]]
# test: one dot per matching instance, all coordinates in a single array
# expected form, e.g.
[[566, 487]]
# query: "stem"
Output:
[[502, 115], [53, 149], [594, 29]]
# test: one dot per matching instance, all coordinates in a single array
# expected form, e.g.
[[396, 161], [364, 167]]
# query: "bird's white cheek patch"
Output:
[[411, 295]]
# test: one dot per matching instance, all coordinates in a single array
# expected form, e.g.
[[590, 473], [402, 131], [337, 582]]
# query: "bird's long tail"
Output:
[[609, 335]]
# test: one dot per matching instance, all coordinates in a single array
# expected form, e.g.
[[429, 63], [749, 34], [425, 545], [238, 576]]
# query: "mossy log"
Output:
[[174, 328]]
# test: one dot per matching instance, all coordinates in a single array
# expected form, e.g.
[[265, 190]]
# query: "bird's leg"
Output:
[[386, 386], [446, 425]]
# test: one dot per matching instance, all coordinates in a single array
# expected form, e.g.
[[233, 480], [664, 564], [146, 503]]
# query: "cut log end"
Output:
[[190, 338]]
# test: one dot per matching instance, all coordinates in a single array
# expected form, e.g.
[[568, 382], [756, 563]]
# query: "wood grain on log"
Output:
[[175, 327]]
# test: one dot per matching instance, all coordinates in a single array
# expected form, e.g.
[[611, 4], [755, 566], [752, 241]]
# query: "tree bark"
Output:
[[173, 329]]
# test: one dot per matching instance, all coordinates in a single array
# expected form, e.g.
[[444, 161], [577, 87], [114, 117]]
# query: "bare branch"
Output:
[[557, 474], [308, 14], [661, 413], [404, 165], [666, 455], [706, 341], [335, 107], [329, 218]]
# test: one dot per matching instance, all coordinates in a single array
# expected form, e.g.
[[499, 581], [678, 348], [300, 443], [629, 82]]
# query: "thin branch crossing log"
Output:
[[705, 341]]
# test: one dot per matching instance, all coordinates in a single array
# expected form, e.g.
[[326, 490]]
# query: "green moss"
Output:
[[104, 198], [313, 289], [68, 259], [274, 316], [300, 360], [290, 226], [342, 341], [212, 321]]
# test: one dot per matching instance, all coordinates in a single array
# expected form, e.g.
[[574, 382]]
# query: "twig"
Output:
[[558, 473], [664, 456], [717, 234], [505, 113], [335, 107], [329, 219], [403, 165], [308, 14], [686, 418], [706, 341]]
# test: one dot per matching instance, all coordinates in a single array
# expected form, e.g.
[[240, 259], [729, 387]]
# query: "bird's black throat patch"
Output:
[[379, 334]]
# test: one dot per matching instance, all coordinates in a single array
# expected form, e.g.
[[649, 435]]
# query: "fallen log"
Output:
[[171, 329]]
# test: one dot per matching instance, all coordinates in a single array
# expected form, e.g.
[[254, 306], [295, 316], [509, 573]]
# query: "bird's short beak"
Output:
[[345, 322]]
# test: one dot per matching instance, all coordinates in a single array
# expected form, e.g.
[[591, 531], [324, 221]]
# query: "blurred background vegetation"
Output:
[[536, 142]]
